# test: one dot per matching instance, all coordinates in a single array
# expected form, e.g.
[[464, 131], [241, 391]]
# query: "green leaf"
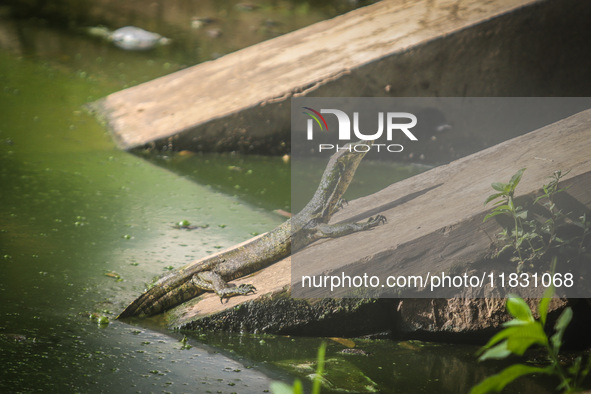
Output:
[[490, 215], [561, 324], [519, 335], [508, 246], [497, 382], [493, 197], [282, 388], [519, 309], [545, 303], [298, 388], [582, 221], [497, 352], [499, 336], [500, 187], [566, 386], [503, 208], [543, 309], [319, 369], [575, 367], [516, 178], [564, 320], [516, 322], [559, 240], [585, 370], [539, 198], [524, 336]]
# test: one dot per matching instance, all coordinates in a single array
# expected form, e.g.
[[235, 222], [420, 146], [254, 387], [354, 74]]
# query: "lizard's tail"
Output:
[[160, 298]]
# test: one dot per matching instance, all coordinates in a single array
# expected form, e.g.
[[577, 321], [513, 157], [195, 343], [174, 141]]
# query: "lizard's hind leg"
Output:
[[211, 281]]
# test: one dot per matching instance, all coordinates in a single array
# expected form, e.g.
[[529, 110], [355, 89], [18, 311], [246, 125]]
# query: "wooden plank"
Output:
[[238, 99], [440, 228]]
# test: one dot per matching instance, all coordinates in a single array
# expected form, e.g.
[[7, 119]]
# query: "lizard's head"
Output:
[[348, 159], [352, 153]]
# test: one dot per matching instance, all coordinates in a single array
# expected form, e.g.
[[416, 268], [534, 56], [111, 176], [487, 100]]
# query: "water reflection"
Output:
[[386, 366], [199, 30]]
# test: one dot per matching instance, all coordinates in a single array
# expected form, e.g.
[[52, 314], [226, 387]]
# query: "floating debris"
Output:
[[186, 225], [357, 352], [198, 22], [185, 343], [344, 341], [113, 275], [130, 38]]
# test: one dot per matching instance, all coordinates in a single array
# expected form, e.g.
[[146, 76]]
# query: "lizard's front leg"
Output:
[[341, 229], [212, 281]]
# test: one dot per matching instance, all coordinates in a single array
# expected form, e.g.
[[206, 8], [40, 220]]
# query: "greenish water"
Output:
[[84, 226], [73, 209], [264, 181]]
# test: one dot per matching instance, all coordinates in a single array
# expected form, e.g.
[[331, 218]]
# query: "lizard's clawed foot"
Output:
[[375, 221], [243, 289], [246, 288], [341, 204]]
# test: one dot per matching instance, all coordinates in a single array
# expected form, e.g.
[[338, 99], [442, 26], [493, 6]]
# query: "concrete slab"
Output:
[[238, 102]]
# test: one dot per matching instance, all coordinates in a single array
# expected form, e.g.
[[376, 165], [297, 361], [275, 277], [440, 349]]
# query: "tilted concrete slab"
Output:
[[238, 102]]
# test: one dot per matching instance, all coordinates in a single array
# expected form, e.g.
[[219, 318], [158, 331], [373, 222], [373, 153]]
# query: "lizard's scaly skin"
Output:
[[305, 227]]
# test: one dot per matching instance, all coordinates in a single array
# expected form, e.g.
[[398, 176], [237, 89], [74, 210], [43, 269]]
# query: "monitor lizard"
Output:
[[310, 224]]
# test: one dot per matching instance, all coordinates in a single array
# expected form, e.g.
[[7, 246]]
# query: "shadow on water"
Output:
[[264, 181]]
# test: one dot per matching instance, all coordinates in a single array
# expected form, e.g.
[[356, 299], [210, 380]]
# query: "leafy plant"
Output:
[[557, 216], [297, 387], [531, 239], [585, 225], [505, 205], [519, 335]]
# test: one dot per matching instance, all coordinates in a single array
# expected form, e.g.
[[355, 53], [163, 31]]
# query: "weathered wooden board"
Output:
[[441, 226], [238, 101]]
